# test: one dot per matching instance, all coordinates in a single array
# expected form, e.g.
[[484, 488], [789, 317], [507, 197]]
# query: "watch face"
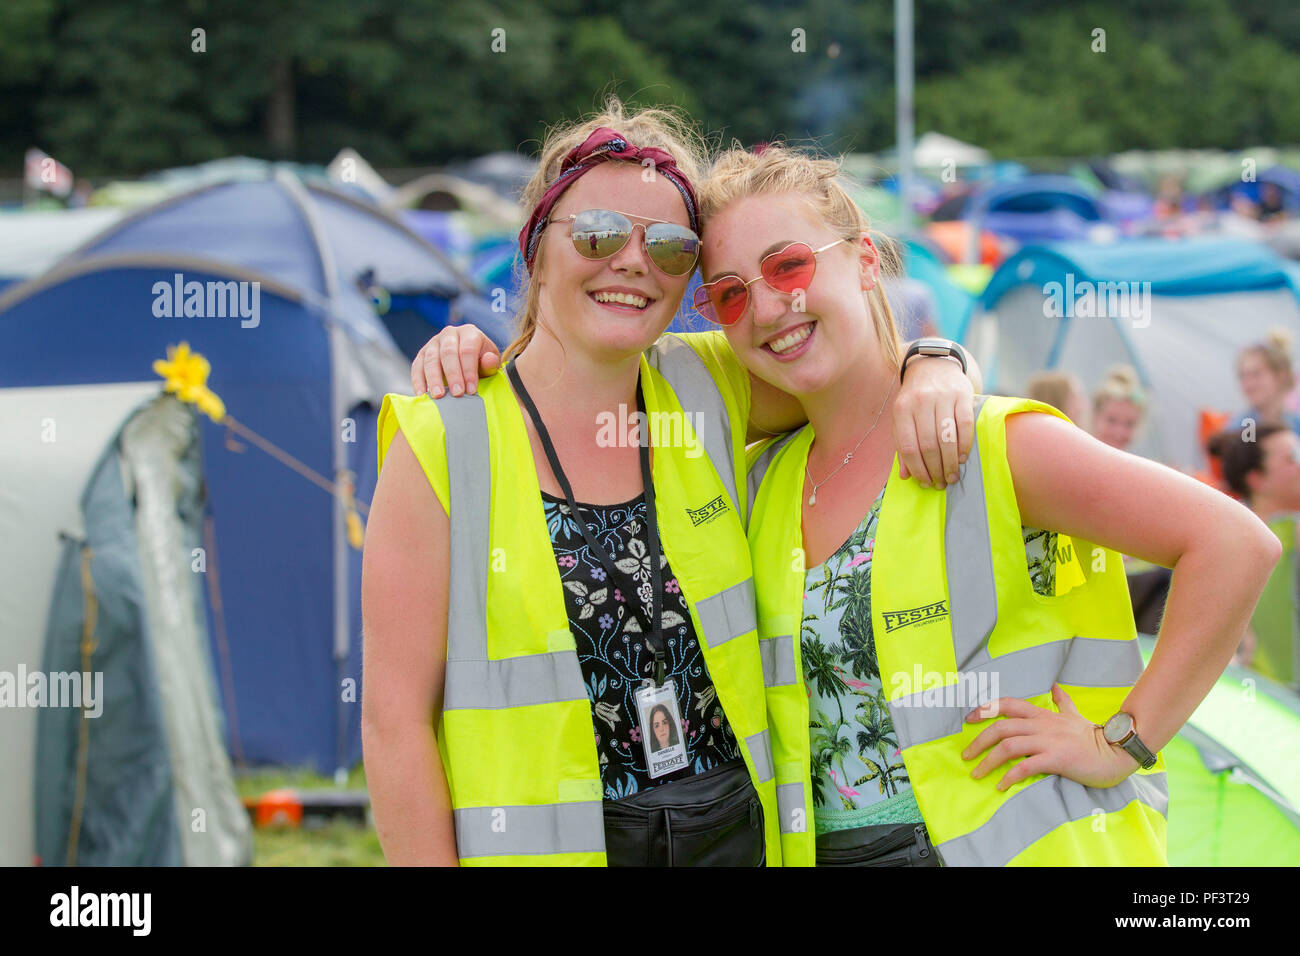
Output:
[[1118, 727]]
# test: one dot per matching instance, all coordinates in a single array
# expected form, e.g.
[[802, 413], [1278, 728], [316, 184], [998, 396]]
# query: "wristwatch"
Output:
[[933, 347], [1122, 730]]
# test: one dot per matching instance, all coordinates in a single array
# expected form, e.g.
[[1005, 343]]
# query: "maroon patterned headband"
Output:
[[604, 144]]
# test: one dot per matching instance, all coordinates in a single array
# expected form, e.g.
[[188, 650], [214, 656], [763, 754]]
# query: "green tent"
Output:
[[1275, 621], [1234, 775]]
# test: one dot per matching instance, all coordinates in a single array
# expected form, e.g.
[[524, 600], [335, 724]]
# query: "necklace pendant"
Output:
[[813, 500]]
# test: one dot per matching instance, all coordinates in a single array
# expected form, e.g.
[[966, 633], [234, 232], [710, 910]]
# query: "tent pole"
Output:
[[903, 83]]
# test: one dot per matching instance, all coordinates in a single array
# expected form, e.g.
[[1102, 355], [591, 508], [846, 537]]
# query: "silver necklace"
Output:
[[812, 499]]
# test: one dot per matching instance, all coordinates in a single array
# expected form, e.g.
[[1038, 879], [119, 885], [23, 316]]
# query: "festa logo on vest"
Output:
[[917, 615], [710, 511]]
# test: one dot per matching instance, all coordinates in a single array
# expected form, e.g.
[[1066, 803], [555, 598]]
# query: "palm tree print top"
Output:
[[858, 775]]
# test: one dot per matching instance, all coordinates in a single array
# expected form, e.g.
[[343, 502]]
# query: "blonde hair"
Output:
[[738, 173], [1275, 350], [1120, 384], [1053, 388], [657, 127]]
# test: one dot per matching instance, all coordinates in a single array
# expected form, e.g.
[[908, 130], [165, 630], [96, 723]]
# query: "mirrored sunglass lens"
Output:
[[674, 249], [791, 269], [599, 233]]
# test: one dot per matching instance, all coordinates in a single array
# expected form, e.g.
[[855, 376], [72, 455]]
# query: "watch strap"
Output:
[[935, 348], [1138, 750]]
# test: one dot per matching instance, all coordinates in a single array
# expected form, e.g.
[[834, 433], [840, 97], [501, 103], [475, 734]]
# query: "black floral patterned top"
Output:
[[612, 650]]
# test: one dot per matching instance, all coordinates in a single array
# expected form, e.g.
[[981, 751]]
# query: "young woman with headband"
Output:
[[529, 568]]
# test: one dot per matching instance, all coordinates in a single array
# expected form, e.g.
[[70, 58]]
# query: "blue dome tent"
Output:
[[1038, 209], [306, 373]]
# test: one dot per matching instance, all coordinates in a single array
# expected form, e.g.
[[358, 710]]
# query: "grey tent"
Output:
[[138, 775]]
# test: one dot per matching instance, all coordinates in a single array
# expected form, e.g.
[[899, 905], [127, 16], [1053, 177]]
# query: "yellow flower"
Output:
[[186, 374], [356, 530]]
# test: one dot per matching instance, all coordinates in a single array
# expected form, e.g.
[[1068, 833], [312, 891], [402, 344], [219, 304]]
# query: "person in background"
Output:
[[1267, 379], [1063, 391], [1271, 207], [1118, 407], [1265, 473], [1169, 199]]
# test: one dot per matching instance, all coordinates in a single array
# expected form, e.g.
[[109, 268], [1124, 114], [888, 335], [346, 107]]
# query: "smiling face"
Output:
[[1116, 421], [1259, 383], [799, 343], [617, 306]]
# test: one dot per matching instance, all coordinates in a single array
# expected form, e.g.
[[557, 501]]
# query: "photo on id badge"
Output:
[[661, 728]]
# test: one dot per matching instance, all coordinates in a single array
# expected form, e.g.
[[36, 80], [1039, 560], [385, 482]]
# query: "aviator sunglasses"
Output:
[[787, 270], [600, 233]]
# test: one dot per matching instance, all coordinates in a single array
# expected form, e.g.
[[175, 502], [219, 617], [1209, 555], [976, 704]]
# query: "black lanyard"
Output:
[[652, 526]]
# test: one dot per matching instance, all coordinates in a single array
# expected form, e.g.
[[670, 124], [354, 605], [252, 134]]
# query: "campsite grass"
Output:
[[338, 843]]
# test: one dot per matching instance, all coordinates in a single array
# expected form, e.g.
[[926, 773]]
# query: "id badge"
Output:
[[661, 728]]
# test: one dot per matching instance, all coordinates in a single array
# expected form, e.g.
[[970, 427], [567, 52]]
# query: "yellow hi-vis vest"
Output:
[[946, 643], [515, 734]]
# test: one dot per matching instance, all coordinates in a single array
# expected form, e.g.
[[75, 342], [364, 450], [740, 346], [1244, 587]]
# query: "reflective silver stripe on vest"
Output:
[[513, 682], [1035, 811], [468, 470], [778, 660], [529, 831], [973, 596], [473, 681], [729, 613], [760, 748], [700, 399], [754, 478], [790, 806], [927, 715], [1042, 807]]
